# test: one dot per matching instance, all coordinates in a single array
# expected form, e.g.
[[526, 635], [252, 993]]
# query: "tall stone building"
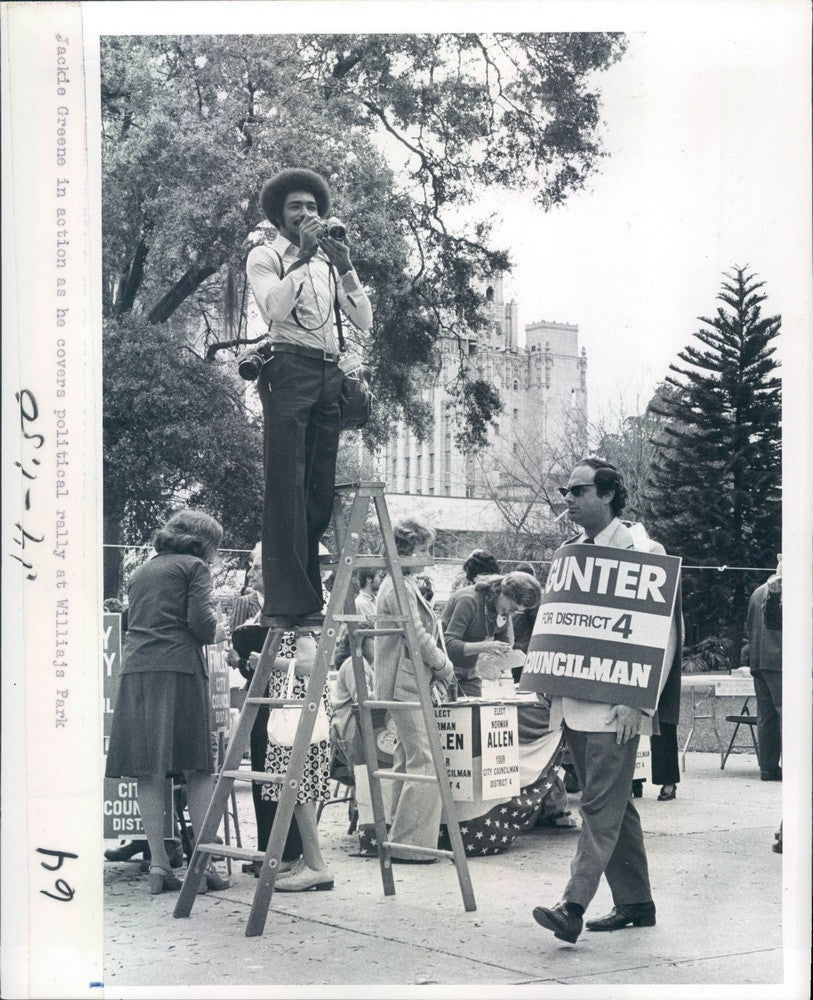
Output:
[[542, 385]]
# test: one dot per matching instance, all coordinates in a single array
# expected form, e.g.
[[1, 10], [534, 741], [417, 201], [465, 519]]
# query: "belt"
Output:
[[305, 352]]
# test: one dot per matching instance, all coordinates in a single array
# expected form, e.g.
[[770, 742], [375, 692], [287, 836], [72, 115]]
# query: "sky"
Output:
[[705, 171]]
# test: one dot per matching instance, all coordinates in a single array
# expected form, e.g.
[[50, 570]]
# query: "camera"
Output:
[[250, 364], [335, 228]]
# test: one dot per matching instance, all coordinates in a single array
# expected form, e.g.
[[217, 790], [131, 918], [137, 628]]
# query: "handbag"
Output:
[[284, 719], [355, 398], [355, 403]]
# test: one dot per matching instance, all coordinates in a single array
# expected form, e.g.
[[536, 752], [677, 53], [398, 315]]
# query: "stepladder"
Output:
[[349, 528]]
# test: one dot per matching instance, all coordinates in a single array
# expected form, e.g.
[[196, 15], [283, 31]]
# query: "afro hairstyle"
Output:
[[275, 191]]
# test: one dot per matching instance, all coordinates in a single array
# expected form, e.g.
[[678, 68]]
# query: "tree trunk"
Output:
[[179, 293], [132, 280]]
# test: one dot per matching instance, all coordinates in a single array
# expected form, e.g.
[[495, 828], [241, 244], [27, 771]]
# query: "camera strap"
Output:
[[336, 310]]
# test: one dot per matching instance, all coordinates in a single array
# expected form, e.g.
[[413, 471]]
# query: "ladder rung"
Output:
[[369, 485], [277, 702], [266, 777], [432, 852], [379, 631], [370, 618], [242, 853], [402, 776], [391, 704], [367, 561]]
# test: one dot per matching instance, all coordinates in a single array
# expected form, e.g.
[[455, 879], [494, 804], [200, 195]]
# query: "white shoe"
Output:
[[288, 868], [304, 880]]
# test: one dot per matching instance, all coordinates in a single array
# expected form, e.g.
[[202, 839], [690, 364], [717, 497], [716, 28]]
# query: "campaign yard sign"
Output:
[[603, 625], [457, 745], [499, 748]]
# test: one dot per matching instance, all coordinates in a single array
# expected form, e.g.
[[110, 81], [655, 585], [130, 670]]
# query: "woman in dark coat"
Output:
[[161, 721]]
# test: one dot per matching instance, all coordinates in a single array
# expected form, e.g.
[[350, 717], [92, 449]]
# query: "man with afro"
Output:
[[298, 280]]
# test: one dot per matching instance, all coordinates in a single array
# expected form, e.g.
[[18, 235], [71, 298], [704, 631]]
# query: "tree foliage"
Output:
[[172, 435], [716, 478], [410, 131]]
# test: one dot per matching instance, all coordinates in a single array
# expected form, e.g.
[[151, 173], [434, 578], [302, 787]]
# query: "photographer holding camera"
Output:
[[300, 281]]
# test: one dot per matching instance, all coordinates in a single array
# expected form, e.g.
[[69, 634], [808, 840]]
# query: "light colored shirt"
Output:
[[365, 603], [310, 290]]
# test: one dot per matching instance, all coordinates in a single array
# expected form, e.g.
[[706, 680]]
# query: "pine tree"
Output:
[[716, 476]]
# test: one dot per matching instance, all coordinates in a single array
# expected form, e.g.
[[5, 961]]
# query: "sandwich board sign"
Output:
[[603, 625]]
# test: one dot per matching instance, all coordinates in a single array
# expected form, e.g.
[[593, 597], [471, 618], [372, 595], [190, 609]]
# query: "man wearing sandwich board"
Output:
[[627, 696]]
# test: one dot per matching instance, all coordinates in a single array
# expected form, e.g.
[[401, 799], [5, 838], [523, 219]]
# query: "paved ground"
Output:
[[717, 887]]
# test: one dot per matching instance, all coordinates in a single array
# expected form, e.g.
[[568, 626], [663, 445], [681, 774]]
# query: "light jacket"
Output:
[[394, 671]]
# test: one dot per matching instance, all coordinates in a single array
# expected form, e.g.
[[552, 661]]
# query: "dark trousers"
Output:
[[665, 764], [768, 688], [264, 809], [300, 399], [611, 841]]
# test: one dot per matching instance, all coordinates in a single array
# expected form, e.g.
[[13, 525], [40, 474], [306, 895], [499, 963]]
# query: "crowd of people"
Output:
[[161, 724], [302, 284]]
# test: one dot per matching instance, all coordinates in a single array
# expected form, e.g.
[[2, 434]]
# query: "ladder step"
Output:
[[391, 704], [368, 486], [432, 852], [367, 561], [370, 618], [240, 853], [402, 776], [379, 631], [276, 702], [265, 777]]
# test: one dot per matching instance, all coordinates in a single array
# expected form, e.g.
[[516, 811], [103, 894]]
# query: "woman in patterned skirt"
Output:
[[311, 871], [161, 722]]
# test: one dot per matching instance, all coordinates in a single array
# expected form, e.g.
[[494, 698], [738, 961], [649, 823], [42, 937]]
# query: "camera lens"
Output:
[[249, 367], [337, 232]]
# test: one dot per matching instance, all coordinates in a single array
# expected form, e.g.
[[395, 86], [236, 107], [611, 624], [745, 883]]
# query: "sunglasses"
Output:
[[576, 490]]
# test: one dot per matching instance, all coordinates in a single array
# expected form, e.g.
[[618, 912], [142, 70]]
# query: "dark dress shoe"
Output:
[[771, 775], [248, 639], [565, 925], [128, 851], [665, 796], [624, 915], [279, 621], [315, 619]]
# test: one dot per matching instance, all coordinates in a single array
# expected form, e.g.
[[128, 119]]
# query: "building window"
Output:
[[407, 483], [516, 384], [516, 413], [470, 492], [431, 464]]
